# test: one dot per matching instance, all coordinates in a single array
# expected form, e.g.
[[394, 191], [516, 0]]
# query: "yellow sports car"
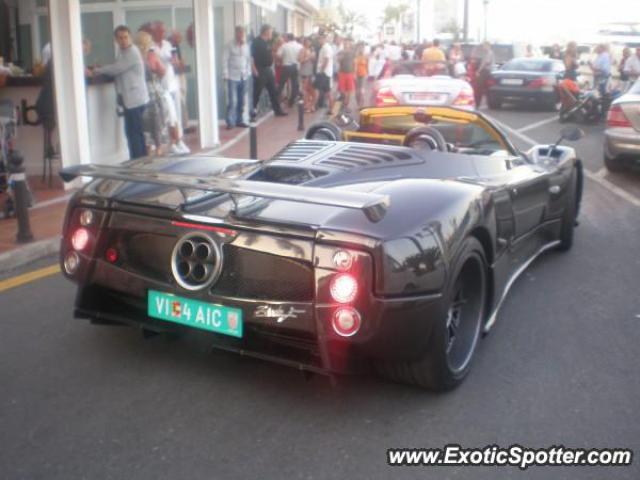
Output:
[[435, 128]]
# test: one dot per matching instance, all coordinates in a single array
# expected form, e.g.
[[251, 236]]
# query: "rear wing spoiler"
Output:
[[373, 205]]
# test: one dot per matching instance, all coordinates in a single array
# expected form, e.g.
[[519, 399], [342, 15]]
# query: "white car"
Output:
[[417, 83]]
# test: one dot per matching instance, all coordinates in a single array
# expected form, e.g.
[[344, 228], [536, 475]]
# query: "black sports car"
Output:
[[531, 81], [330, 256]]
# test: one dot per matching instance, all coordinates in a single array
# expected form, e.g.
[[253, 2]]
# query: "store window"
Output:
[[161, 31]]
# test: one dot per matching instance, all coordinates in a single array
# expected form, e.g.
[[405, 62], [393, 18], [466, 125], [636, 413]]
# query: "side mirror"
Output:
[[573, 134]]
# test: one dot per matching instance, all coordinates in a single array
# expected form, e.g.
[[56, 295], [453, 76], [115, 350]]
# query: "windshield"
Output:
[[469, 136]]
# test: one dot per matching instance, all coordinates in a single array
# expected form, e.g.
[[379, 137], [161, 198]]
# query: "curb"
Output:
[[28, 253]]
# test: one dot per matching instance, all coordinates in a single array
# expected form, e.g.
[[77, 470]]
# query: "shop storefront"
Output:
[[77, 35]]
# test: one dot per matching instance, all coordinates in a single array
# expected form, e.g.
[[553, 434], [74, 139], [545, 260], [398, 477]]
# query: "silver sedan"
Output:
[[416, 83], [622, 136]]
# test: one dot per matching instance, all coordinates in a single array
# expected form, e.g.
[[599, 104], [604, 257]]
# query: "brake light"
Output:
[[465, 99], [111, 255], [385, 98], [491, 82], [617, 118], [539, 82], [80, 239], [346, 322], [344, 288]]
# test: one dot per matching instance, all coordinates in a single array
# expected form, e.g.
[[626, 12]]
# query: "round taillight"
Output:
[[87, 217], [346, 322], [342, 260], [80, 239], [111, 254], [71, 262], [344, 288]]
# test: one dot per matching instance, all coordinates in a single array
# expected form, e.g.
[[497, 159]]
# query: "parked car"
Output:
[[622, 136], [531, 81], [419, 84], [330, 256]]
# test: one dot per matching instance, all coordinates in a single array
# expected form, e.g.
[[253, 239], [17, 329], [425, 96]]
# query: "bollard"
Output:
[[18, 182], [301, 115], [253, 138]]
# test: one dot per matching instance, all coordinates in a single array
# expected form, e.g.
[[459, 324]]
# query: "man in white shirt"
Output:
[[288, 54], [324, 75], [632, 66], [170, 84], [236, 69]]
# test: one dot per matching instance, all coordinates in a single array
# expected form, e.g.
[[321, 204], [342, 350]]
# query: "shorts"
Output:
[[171, 113], [322, 82], [346, 82]]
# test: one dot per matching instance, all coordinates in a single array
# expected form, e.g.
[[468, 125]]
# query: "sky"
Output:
[[534, 21]]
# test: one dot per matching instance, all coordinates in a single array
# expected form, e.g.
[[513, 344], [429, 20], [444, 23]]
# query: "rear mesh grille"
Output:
[[261, 276], [245, 274]]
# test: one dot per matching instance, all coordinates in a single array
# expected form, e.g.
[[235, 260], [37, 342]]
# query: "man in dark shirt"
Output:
[[262, 61]]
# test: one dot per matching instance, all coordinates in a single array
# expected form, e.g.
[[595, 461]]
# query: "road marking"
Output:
[[601, 173], [537, 124], [596, 177], [28, 277]]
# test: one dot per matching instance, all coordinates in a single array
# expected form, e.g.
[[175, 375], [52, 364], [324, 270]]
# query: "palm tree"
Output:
[[351, 19], [393, 13]]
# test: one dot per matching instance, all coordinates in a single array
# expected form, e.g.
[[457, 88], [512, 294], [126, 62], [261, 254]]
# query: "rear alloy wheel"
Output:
[[454, 337]]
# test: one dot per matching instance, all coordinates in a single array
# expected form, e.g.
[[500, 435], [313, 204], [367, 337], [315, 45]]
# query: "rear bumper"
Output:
[[391, 328], [623, 143], [521, 95]]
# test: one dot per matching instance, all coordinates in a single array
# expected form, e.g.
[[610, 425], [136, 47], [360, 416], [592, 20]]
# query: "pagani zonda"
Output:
[[331, 255]]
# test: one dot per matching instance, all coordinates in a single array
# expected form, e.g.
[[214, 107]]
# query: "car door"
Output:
[[528, 187]]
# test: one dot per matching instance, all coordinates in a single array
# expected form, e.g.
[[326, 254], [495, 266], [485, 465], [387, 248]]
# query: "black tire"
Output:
[[570, 214], [327, 131], [613, 164], [494, 104], [442, 368], [551, 105]]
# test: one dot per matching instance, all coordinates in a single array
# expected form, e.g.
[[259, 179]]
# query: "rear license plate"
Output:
[[196, 314], [427, 97], [512, 81]]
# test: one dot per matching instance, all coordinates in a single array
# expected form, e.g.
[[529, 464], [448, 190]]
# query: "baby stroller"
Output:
[[583, 106], [7, 145]]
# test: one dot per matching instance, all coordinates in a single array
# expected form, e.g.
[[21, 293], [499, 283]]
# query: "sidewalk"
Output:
[[47, 215]]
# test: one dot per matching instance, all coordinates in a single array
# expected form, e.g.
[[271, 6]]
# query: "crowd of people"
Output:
[[310, 69], [315, 70]]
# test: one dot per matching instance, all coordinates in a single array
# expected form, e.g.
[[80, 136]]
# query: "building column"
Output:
[[69, 81], [206, 73]]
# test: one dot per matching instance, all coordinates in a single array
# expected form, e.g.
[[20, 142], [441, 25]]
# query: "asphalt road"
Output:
[[559, 368]]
